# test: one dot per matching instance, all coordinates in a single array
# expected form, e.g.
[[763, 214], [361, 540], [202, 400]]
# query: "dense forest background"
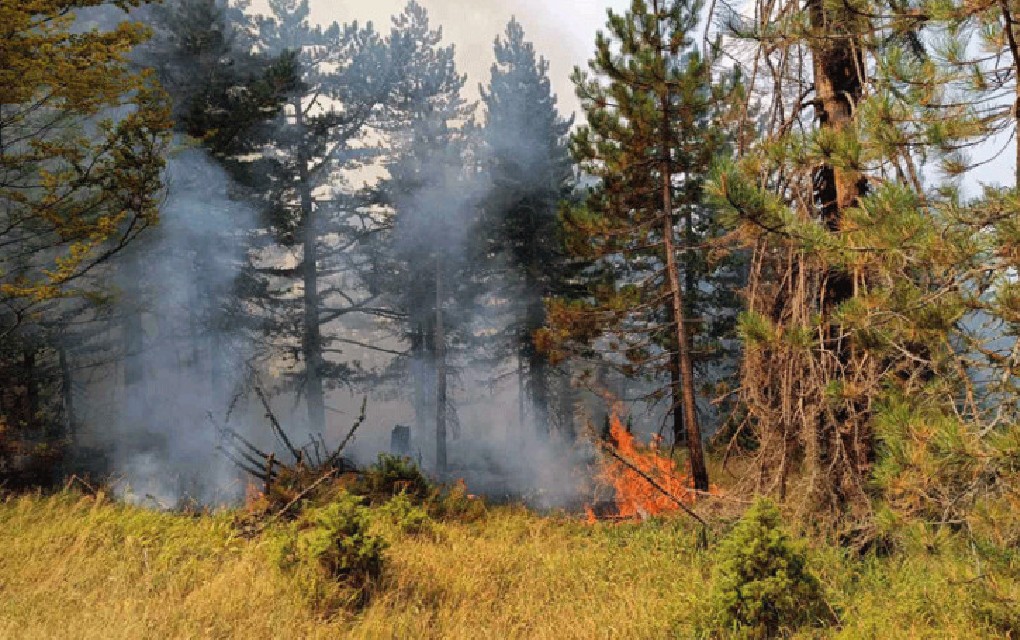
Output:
[[772, 233]]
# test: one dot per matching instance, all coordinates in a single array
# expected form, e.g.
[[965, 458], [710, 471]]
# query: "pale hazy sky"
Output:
[[563, 30]]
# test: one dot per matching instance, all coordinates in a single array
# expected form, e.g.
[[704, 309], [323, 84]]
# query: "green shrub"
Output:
[[405, 515], [332, 551], [392, 475], [762, 585]]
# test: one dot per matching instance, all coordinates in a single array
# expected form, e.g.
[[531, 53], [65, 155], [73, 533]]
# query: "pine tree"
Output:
[[224, 92], [226, 97], [649, 142], [431, 192], [879, 305], [346, 78], [527, 162]]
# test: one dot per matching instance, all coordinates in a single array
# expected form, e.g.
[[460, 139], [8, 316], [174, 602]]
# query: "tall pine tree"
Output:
[[346, 79], [649, 142], [431, 192], [527, 161]]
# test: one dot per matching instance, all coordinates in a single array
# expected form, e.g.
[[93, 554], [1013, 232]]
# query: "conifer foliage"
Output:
[[880, 346], [527, 162], [648, 92]]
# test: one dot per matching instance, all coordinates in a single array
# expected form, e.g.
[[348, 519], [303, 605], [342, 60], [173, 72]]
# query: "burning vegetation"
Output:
[[645, 482]]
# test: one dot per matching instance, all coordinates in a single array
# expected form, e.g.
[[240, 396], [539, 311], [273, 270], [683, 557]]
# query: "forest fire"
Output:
[[645, 482]]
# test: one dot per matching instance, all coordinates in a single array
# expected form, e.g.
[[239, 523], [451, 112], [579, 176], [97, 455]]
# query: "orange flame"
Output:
[[635, 495]]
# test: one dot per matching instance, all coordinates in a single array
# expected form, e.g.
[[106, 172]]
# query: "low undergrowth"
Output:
[[82, 566]]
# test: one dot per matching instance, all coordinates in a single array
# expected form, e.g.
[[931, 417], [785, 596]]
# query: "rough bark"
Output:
[[838, 64], [1009, 26]]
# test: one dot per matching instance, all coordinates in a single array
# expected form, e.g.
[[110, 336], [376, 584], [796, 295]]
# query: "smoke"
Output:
[[184, 362], [186, 359]]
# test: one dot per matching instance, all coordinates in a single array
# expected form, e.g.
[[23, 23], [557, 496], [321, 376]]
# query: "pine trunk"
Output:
[[311, 335], [838, 67], [440, 349], [687, 403]]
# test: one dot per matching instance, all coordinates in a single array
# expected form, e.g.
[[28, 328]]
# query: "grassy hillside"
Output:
[[73, 566]]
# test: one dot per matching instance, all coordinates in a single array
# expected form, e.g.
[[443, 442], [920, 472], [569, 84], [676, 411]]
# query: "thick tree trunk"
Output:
[[311, 344], [440, 348], [838, 78], [838, 65]]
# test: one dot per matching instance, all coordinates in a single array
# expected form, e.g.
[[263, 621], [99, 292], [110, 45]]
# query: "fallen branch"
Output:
[[251, 470], [277, 427], [326, 476], [630, 465], [75, 478]]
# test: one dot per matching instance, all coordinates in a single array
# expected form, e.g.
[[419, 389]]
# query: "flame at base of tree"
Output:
[[635, 495]]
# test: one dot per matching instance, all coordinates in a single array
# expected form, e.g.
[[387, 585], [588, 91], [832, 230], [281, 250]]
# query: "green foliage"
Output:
[[527, 162], [82, 150], [763, 586], [223, 92], [331, 546], [393, 475], [406, 516], [644, 232]]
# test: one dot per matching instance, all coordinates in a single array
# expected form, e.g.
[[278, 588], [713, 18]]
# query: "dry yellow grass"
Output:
[[78, 567]]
